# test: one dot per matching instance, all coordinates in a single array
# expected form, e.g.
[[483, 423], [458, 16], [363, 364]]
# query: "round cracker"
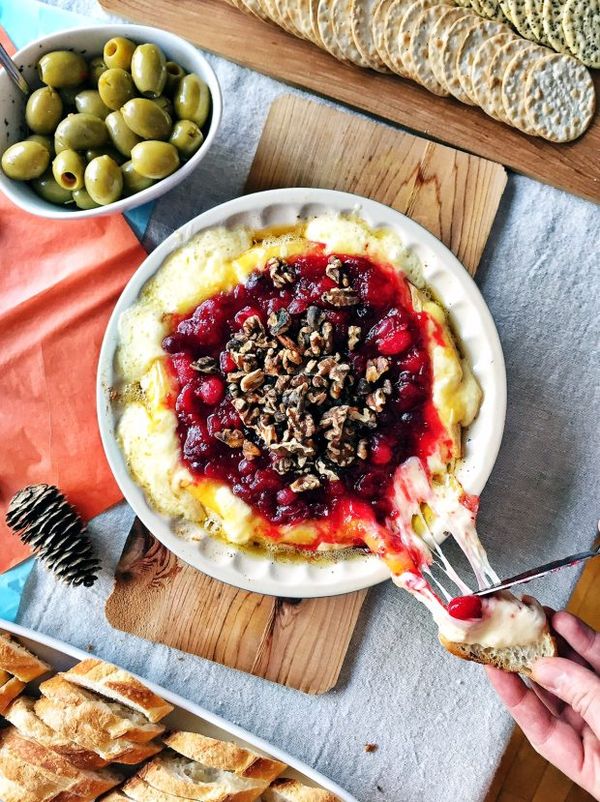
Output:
[[513, 85], [520, 19], [361, 22], [491, 9], [255, 8], [419, 51], [481, 63], [533, 9], [581, 27], [552, 24], [438, 39], [281, 16], [395, 13], [505, 9], [406, 26], [326, 32], [378, 28], [455, 39], [342, 29], [469, 48], [559, 98], [492, 96], [299, 12]]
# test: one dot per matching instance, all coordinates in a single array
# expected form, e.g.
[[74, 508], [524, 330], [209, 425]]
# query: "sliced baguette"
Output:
[[120, 685], [13, 792], [9, 692], [294, 791], [79, 782], [139, 791], [114, 796], [176, 775], [19, 661], [39, 786], [224, 755], [78, 724], [517, 659], [22, 715], [116, 719]]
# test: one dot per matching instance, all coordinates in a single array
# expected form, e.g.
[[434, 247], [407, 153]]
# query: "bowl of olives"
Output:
[[118, 115]]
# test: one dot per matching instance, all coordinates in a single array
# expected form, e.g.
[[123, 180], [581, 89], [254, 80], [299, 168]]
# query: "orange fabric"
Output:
[[59, 282]]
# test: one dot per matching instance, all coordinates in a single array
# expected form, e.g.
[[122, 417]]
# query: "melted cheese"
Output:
[[217, 260]]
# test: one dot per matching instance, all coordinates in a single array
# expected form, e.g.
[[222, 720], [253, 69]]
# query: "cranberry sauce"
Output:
[[306, 387]]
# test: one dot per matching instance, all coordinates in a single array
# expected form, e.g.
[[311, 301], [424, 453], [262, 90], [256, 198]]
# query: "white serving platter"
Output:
[[471, 321], [186, 716]]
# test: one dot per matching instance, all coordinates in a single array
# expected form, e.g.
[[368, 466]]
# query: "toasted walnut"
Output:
[[249, 450], [362, 450], [354, 333], [252, 380], [234, 438], [281, 273], [304, 483], [340, 296], [376, 401], [376, 368], [205, 364], [279, 322]]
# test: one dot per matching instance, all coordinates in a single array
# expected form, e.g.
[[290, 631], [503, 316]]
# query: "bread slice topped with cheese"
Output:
[[505, 632], [294, 791], [112, 717], [119, 685]]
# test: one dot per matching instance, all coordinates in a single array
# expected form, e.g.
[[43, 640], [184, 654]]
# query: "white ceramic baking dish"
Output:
[[471, 321], [186, 716]]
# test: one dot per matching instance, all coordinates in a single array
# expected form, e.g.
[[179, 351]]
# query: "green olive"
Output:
[[44, 110], [154, 159], [186, 137], [121, 134], [68, 168], [97, 67], [192, 100], [83, 199], [133, 181], [25, 160], [104, 150], [90, 102], [165, 103], [80, 132], [115, 87], [149, 70], [118, 52], [146, 119], [175, 73], [68, 95], [62, 68], [46, 187], [46, 141], [103, 180]]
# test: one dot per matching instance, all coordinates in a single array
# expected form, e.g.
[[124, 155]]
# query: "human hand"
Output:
[[560, 712]]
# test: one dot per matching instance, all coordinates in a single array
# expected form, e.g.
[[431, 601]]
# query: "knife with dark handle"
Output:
[[542, 570]]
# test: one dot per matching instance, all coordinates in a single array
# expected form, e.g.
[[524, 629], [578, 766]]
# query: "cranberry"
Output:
[[265, 479], [244, 314], [246, 467], [381, 452], [198, 444], [391, 335], [286, 496], [414, 360], [229, 416], [173, 343], [183, 368], [186, 404], [226, 362], [214, 424], [409, 394], [211, 390], [465, 607]]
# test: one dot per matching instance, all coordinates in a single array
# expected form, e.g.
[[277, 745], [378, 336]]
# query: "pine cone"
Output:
[[44, 520]]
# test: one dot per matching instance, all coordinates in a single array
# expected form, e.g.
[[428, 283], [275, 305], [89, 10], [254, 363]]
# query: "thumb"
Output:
[[577, 686]]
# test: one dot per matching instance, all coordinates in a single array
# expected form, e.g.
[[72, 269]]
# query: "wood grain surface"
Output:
[[303, 645], [223, 29]]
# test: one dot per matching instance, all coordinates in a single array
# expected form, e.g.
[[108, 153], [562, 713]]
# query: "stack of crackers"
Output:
[[465, 49]]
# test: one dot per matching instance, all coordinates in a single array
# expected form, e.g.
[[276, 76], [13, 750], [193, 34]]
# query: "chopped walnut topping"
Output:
[[205, 364], [252, 380], [340, 296], [376, 401], [308, 482], [233, 438], [376, 368], [279, 322], [281, 273], [354, 333], [249, 450]]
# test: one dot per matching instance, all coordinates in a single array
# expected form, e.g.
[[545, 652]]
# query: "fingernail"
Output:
[[547, 673]]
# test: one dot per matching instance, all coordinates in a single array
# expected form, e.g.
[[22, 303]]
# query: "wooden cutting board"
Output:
[[302, 644], [223, 29]]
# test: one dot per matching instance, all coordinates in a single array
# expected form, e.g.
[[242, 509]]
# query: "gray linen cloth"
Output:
[[439, 727]]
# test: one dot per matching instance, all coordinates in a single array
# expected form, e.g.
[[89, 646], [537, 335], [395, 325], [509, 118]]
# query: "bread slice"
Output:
[[224, 755], [176, 775], [294, 791], [9, 692], [517, 659], [114, 796], [38, 786], [79, 782], [139, 791], [19, 661], [78, 724], [120, 685], [22, 715], [116, 719], [13, 792]]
